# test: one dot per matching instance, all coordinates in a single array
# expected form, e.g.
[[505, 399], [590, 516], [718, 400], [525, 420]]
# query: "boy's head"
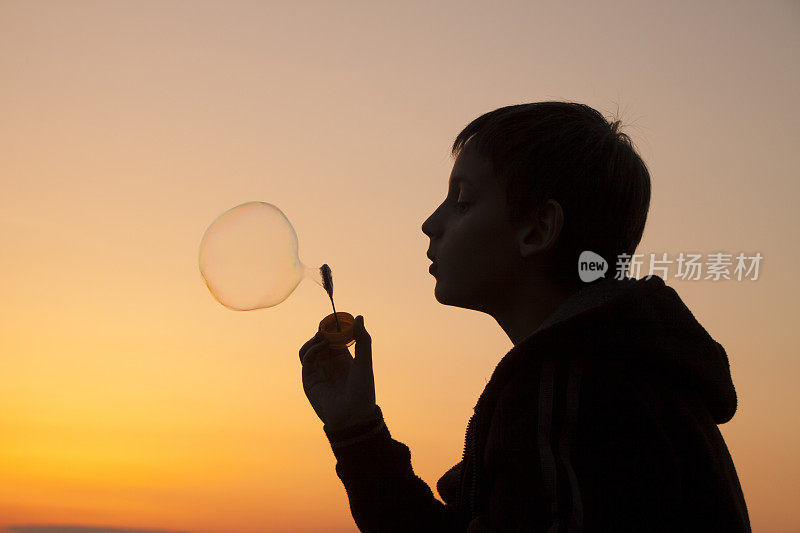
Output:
[[560, 164], [570, 153]]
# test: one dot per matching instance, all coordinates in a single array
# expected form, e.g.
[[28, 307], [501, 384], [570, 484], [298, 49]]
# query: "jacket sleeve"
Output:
[[384, 493]]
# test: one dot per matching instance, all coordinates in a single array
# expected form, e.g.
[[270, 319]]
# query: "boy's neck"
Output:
[[528, 308]]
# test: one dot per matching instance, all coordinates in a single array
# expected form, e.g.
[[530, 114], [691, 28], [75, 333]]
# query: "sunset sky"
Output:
[[130, 399]]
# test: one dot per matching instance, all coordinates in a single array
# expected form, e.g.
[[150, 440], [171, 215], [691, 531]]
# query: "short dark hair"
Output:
[[570, 153]]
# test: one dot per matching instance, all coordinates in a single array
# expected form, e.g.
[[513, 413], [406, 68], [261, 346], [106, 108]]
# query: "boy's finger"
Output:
[[341, 364], [313, 375], [363, 356], [313, 351], [309, 343]]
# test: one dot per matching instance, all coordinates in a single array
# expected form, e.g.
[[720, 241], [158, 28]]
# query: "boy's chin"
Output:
[[441, 294], [446, 297]]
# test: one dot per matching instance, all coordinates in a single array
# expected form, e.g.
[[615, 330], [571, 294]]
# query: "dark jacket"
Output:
[[604, 419]]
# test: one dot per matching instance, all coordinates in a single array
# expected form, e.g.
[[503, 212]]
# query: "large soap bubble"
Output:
[[248, 257]]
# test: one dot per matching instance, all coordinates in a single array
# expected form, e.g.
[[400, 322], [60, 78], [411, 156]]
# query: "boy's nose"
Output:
[[427, 226]]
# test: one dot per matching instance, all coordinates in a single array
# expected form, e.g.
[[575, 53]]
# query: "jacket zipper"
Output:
[[471, 450], [474, 476]]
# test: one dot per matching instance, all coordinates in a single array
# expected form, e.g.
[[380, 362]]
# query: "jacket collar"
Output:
[[591, 296]]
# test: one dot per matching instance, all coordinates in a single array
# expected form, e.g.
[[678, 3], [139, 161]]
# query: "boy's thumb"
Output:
[[363, 343]]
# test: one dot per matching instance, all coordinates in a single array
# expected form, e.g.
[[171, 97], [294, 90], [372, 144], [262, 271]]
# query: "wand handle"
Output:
[[338, 327]]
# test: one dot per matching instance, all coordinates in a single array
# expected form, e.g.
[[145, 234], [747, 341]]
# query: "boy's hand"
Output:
[[340, 388]]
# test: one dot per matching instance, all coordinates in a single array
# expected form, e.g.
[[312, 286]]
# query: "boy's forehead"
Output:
[[470, 167]]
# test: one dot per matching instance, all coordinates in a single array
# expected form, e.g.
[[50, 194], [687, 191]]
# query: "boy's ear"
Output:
[[541, 231]]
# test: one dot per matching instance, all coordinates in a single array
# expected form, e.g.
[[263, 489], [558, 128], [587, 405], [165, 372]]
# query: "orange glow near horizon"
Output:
[[131, 399]]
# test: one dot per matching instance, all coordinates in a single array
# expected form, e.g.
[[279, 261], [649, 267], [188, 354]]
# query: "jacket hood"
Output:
[[645, 322]]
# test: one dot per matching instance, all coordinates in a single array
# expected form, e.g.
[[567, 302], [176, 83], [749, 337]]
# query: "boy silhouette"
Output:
[[603, 416]]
